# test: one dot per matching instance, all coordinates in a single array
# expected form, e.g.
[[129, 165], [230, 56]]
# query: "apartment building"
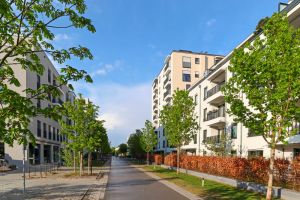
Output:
[[181, 70], [214, 121], [46, 130]]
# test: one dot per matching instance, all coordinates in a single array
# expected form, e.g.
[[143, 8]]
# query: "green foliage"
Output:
[[68, 157], [149, 138], [220, 146], [266, 71], [135, 146], [27, 29], [122, 149], [179, 120]]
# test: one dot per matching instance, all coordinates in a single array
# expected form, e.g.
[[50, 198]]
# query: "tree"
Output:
[[80, 119], [135, 146], [179, 121], [122, 149], [149, 138], [267, 72], [26, 30], [220, 145]]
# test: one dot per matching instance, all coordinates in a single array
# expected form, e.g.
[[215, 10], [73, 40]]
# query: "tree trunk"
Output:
[[74, 161], [90, 163], [81, 163], [147, 158], [178, 152], [271, 171]]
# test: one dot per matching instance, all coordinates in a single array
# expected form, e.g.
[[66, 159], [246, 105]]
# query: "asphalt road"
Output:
[[128, 183]]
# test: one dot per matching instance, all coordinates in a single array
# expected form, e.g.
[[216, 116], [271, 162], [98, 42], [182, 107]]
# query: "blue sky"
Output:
[[134, 36]]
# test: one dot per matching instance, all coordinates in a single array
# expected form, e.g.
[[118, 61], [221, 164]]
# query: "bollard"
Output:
[[202, 182]]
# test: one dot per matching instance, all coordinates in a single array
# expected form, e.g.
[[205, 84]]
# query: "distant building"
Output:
[[181, 70]]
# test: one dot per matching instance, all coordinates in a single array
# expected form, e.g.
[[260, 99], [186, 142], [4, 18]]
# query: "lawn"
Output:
[[211, 189]]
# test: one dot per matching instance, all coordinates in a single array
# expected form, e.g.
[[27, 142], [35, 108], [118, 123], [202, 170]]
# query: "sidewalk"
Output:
[[56, 187]]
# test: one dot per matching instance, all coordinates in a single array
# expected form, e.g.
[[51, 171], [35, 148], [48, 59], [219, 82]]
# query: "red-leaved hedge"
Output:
[[254, 169]]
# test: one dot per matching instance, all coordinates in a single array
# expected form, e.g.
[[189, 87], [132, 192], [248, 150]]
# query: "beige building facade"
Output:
[[214, 121], [181, 70], [49, 141]]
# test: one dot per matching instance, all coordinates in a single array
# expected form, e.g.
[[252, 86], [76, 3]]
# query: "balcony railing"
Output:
[[212, 139], [167, 93], [166, 81], [215, 114], [214, 90]]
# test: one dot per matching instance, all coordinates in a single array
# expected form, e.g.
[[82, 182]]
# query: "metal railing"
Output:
[[215, 114], [214, 90]]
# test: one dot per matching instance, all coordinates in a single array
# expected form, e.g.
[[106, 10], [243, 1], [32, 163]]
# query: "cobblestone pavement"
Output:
[[55, 187]]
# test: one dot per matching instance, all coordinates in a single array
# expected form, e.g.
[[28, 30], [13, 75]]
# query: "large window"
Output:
[[255, 153], [234, 131], [186, 62], [44, 130], [196, 99], [205, 114], [49, 133], [186, 76], [54, 133], [39, 128], [205, 93], [38, 82], [49, 75], [2, 152], [195, 138], [204, 136], [296, 152]]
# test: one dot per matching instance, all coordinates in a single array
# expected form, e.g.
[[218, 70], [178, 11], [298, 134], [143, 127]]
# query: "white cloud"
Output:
[[211, 22], [61, 37], [124, 108], [106, 68]]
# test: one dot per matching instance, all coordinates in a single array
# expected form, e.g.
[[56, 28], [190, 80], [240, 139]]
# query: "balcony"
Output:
[[168, 79], [214, 96], [218, 76], [212, 139], [167, 94], [216, 118]]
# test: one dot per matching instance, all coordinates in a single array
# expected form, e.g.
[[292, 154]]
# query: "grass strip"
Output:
[[211, 190]]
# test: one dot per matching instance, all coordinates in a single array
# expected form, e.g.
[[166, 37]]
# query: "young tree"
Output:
[[267, 72], [135, 147], [26, 29], [179, 121], [95, 140], [149, 138], [122, 149], [82, 114]]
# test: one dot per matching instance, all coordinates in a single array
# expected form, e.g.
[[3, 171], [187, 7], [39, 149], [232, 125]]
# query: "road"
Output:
[[128, 183]]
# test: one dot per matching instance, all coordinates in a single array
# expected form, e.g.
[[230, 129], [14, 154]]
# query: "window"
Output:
[[38, 103], [39, 128], [197, 60], [195, 138], [67, 96], [2, 150], [197, 75], [58, 135], [296, 152], [205, 114], [253, 133], [206, 62], [233, 153], [186, 76], [49, 75], [163, 132], [54, 133], [186, 62], [159, 134], [234, 131], [187, 86], [196, 99], [164, 144], [49, 133], [44, 130], [205, 93], [54, 81], [204, 136], [38, 82], [255, 153]]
